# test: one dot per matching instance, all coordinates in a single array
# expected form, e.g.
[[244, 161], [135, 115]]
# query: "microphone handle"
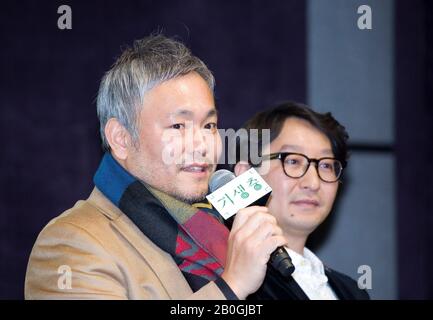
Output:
[[281, 261]]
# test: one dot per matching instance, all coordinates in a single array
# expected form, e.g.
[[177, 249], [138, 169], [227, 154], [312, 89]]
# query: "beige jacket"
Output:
[[93, 251]]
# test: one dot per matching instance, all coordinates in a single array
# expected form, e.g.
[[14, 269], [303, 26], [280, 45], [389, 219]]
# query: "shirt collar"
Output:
[[308, 262]]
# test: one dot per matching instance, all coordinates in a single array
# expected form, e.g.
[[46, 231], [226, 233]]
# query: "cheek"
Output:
[[281, 185], [152, 139], [279, 204], [217, 149], [328, 196], [170, 146], [212, 137]]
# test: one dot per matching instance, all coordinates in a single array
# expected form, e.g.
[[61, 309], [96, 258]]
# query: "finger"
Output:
[[245, 214], [270, 245], [264, 231], [254, 223]]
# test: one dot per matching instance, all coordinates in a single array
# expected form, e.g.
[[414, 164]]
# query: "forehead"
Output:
[[298, 135], [185, 96]]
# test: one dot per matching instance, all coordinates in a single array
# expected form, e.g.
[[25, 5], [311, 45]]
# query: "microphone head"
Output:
[[220, 178]]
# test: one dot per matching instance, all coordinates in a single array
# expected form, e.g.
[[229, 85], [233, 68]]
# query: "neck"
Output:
[[296, 242]]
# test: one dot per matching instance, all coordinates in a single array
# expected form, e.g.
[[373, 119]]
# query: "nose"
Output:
[[199, 143], [310, 180]]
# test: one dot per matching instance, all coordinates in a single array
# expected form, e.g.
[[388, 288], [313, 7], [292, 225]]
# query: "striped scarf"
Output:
[[192, 235]]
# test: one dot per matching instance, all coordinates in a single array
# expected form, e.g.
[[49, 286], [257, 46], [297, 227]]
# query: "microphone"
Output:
[[280, 259]]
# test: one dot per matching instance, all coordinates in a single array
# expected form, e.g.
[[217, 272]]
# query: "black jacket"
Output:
[[276, 287]]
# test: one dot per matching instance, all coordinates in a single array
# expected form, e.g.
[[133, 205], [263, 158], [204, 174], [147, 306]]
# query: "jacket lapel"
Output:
[[276, 287], [161, 263], [338, 286]]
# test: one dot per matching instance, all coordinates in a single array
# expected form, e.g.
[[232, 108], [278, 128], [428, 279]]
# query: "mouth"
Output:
[[308, 203], [198, 169]]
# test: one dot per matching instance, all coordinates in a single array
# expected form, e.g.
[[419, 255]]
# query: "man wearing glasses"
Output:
[[303, 164]]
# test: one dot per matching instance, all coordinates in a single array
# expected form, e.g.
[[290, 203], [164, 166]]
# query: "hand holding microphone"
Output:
[[255, 240], [254, 236]]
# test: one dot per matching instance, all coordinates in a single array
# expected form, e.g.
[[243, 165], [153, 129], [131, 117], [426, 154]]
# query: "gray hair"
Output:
[[148, 63]]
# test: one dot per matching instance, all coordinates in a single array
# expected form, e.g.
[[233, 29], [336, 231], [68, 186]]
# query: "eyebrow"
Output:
[[189, 114], [300, 149]]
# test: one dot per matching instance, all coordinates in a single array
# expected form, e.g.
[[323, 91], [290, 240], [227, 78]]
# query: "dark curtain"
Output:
[[49, 80], [414, 123]]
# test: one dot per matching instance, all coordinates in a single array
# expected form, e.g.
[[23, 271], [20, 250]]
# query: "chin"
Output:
[[191, 197], [301, 220]]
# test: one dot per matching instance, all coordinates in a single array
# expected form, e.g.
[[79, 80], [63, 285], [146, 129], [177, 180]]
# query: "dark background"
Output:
[[49, 80]]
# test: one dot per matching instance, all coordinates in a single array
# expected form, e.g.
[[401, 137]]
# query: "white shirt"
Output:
[[310, 275]]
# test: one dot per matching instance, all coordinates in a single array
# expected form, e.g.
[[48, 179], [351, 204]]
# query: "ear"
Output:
[[118, 138], [241, 167]]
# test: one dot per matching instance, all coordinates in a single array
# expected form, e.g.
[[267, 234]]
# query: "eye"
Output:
[[291, 161], [210, 126], [177, 126], [326, 166]]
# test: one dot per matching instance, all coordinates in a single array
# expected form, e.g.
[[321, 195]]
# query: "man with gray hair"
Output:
[[140, 234]]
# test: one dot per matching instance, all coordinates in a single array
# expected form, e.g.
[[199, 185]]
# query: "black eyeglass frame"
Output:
[[282, 156]]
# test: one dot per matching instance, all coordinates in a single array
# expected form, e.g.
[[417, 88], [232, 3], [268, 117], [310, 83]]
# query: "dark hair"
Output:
[[275, 117]]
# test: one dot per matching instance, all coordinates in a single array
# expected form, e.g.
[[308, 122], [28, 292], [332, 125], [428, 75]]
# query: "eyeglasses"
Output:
[[295, 165]]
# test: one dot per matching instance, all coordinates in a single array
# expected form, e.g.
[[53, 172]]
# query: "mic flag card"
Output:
[[239, 193]]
